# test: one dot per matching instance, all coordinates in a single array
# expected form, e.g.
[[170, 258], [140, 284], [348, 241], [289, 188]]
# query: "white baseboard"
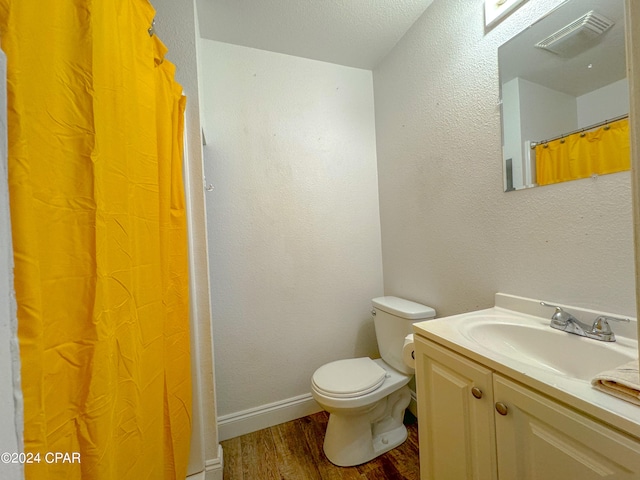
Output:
[[247, 421], [213, 468], [196, 476]]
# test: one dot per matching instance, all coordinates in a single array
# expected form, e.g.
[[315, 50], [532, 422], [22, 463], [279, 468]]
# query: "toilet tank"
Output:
[[393, 320]]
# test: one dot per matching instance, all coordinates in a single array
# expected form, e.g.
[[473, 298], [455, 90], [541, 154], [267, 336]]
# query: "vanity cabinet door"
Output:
[[538, 438], [455, 415]]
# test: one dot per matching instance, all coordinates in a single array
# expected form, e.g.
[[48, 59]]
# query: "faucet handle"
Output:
[[560, 316], [606, 318], [559, 310], [545, 304], [602, 328]]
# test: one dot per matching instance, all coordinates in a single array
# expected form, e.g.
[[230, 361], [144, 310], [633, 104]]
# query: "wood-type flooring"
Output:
[[293, 451]]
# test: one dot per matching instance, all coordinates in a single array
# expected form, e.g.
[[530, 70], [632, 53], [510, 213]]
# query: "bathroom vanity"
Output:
[[502, 395]]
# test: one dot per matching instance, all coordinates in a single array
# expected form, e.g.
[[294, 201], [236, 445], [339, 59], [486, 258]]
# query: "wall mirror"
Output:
[[561, 79]]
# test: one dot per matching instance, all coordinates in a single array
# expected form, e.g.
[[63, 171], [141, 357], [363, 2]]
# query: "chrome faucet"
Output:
[[600, 330]]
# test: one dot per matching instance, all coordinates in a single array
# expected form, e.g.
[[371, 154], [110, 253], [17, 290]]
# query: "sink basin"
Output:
[[513, 339], [543, 347]]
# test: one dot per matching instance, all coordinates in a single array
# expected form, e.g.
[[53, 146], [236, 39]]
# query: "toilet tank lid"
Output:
[[403, 308]]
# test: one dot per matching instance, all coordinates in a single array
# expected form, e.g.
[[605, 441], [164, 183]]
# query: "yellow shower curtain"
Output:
[[601, 151], [99, 235]]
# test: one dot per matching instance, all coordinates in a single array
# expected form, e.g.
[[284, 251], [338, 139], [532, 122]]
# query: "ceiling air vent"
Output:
[[576, 37]]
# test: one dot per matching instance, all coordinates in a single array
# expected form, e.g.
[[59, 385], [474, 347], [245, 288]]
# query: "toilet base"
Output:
[[389, 440], [355, 439]]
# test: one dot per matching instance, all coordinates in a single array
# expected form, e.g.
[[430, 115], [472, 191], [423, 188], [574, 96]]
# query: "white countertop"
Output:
[[574, 392]]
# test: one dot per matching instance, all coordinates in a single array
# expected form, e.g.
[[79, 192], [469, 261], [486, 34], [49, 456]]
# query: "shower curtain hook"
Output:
[[152, 29]]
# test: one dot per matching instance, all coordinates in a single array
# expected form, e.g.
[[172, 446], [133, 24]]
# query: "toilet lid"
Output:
[[349, 378]]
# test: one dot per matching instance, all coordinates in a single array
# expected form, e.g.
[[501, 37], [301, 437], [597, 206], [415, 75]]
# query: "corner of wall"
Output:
[[11, 431]]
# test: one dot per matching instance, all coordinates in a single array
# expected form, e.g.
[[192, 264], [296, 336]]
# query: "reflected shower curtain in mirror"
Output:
[[580, 155], [99, 235]]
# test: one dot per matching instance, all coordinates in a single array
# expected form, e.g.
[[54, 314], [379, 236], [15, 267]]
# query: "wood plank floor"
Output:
[[293, 451]]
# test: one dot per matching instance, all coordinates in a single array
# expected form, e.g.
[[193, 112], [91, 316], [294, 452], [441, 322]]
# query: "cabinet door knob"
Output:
[[501, 408], [476, 392]]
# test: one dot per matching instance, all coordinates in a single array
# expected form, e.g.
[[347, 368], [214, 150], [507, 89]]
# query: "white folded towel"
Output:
[[622, 382]]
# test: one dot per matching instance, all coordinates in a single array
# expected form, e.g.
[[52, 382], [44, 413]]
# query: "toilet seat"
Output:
[[349, 378]]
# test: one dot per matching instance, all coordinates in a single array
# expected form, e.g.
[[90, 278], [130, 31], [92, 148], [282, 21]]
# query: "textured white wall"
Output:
[[450, 237], [293, 220]]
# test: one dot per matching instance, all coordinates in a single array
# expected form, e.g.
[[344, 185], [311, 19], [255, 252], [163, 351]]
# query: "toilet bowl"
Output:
[[350, 438], [366, 398]]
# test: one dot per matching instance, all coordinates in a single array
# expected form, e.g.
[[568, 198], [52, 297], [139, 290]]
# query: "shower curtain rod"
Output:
[[590, 127]]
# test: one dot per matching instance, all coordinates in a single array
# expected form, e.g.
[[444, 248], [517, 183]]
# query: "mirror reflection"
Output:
[[565, 97]]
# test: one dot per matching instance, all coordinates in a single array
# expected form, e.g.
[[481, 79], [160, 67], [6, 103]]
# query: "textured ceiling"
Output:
[[356, 33]]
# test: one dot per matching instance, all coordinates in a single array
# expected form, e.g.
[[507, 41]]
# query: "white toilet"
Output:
[[366, 398]]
